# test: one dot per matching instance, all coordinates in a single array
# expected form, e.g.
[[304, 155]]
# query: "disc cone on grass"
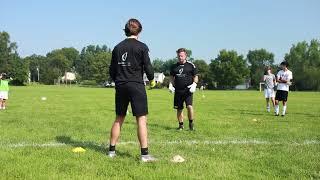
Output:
[[78, 150], [177, 159]]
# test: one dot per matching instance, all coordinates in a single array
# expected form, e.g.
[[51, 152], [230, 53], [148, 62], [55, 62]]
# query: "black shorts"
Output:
[[132, 92], [282, 95], [180, 98]]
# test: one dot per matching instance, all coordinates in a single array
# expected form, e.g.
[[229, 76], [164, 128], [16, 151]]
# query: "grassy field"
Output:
[[37, 137]]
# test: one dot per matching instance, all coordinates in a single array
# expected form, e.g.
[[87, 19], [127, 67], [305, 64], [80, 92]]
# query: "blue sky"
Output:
[[204, 26]]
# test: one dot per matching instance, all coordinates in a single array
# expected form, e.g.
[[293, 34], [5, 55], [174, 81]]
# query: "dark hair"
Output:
[[181, 50], [266, 70], [4, 76], [132, 27], [285, 63]]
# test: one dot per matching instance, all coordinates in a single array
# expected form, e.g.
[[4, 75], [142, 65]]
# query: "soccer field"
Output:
[[235, 137]]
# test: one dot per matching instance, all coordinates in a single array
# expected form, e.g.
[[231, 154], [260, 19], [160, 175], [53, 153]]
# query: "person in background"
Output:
[[269, 80], [4, 90]]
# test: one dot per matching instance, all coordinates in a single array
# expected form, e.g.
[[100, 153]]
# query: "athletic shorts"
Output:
[[4, 95], [282, 95], [180, 98], [132, 92], [269, 93]]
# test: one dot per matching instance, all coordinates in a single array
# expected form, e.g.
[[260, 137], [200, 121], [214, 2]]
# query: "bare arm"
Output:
[[281, 80]]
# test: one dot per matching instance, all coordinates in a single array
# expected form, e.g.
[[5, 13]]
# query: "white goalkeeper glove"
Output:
[[171, 88], [192, 87]]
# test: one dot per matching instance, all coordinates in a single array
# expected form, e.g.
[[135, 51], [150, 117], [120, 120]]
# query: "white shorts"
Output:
[[3, 94], [269, 93]]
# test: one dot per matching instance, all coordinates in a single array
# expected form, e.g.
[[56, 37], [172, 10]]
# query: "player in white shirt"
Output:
[[269, 84], [284, 78]]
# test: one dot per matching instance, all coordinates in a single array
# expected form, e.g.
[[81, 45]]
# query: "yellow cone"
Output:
[[78, 150]]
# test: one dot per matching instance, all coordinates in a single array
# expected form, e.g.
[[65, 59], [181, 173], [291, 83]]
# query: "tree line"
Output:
[[225, 71]]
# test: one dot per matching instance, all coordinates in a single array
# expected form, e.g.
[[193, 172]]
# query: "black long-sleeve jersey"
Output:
[[130, 59]]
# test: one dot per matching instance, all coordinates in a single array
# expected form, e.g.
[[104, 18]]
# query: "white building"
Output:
[[158, 77], [68, 76], [244, 85]]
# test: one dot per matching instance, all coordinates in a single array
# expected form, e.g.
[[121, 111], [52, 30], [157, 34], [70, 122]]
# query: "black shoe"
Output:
[[180, 127], [191, 128], [281, 115], [276, 114]]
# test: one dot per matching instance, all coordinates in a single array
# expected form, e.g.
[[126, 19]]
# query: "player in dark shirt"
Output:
[[183, 84], [130, 59]]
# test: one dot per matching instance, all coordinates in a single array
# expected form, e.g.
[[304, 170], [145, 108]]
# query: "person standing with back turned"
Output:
[[130, 59]]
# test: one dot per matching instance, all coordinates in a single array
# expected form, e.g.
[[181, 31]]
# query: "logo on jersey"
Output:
[[181, 71], [124, 56], [124, 60], [180, 75]]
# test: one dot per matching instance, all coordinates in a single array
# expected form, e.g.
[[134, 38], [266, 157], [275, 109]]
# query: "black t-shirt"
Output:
[[183, 75], [130, 59]]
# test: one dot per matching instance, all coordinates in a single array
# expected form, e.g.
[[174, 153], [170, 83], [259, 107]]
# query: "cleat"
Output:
[[191, 128], [112, 154], [180, 128], [148, 158]]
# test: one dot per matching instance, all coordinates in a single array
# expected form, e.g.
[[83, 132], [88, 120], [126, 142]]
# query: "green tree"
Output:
[[228, 69], [258, 60], [304, 62], [35, 63], [157, 65], [10, 62], [93, 63], [167, 66], [203, 70], [100, 66]]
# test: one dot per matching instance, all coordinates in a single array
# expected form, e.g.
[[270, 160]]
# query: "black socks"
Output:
[[112, 148], [144, 151]]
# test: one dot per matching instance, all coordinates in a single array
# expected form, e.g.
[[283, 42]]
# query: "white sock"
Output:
[[276, 109], [284, 110]]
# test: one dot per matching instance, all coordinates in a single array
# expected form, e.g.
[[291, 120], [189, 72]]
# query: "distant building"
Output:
[[158, 77], [68, 76], [245, 85]]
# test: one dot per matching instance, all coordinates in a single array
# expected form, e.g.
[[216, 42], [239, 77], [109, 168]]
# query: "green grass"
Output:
[[82, 117]]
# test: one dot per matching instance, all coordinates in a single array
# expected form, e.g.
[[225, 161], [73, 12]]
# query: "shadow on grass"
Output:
[[159, 126], [152, 125], [87, 145], [305, 114], [247, 112]]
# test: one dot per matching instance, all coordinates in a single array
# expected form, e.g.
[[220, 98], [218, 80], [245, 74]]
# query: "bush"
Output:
[[88, 83]]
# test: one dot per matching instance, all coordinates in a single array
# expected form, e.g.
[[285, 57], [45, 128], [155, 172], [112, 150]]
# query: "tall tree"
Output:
[[258, 60], [304, 62], [157, 65], [35, 63], [228, 69], [93, 63], [203, 70], [167, 66], [10, 62]]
